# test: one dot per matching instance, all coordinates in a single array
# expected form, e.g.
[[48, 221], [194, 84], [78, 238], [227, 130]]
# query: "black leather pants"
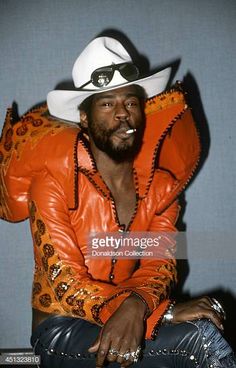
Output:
[[63, 342]]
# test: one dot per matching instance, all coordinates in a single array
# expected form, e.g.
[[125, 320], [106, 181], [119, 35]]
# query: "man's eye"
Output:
[[106, 104], [132, 104]]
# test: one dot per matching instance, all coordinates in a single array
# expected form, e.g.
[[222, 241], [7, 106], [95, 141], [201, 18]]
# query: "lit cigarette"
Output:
[[130, 131]]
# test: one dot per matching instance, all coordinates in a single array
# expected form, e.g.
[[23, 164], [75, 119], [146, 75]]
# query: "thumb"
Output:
[[95, 346]]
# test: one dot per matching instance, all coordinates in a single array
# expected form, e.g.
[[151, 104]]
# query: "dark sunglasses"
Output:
[[101, 77]]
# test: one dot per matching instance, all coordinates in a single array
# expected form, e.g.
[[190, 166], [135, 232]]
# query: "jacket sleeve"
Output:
[[35, 142]]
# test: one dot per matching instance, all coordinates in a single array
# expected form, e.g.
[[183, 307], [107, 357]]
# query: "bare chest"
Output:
[[125, 204]]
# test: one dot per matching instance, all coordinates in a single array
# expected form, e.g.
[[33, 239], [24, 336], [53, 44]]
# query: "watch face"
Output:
[[168, 316]]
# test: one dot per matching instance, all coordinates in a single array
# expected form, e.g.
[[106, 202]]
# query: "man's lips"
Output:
[[124, 132]]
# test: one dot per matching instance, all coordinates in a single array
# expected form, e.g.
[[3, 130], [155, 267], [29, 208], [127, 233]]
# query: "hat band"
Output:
[[101, 77]]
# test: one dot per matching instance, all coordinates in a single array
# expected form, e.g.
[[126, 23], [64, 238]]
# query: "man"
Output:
[[121, 171]]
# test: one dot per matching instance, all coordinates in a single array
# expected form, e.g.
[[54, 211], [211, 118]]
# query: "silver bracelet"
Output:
[[168, 316]]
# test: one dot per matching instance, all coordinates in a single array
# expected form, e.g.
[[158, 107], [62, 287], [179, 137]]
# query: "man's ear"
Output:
[[83, 119]]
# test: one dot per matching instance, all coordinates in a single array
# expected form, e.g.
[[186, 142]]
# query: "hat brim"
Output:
[[64, 104]]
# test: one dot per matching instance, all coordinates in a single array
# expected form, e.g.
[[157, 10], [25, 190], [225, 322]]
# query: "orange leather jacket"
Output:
[[48, 175]]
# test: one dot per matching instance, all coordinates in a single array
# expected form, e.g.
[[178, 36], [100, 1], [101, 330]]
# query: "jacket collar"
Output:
[[171, 142], [39, 142]]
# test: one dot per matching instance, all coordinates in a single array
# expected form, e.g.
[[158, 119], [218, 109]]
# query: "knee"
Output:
[[179, 335], [180, 344]]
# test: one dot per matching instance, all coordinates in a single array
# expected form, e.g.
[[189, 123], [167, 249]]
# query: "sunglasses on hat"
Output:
[[101, 77]]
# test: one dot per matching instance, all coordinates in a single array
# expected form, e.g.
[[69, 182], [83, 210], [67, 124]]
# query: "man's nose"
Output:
[[121, 112]]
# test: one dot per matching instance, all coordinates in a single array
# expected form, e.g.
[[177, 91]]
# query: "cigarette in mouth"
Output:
[[130, 131]]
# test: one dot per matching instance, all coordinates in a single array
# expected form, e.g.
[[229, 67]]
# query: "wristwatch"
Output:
[[168, 316]]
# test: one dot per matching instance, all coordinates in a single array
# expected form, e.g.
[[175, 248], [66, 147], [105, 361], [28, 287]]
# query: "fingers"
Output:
[[102, 352], [117, 351], [125, 358], [94, 347], [114, 350], [216, 319], [199, 308], [211, 313], [112, 354]]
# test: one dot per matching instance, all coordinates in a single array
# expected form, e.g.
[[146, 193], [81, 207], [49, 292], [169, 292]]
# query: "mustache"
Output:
[[124, 124]]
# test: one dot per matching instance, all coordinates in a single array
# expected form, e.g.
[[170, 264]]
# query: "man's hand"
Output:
[[122, 333], [197, 309]]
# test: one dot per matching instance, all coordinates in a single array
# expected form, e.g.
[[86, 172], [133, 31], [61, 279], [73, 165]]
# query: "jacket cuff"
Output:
[[115, 301], [146, 298], [112, 304], [155, 319]]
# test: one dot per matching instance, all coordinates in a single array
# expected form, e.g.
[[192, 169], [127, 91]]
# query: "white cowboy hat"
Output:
[[107, 53]]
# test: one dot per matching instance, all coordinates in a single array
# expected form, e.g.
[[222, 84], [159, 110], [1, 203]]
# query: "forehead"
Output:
[[122, 91]]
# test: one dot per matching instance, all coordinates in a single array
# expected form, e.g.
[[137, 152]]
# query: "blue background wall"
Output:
[[39, 41]]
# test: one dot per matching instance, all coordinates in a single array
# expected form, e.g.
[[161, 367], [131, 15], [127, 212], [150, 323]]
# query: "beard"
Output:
[[126, 150]]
